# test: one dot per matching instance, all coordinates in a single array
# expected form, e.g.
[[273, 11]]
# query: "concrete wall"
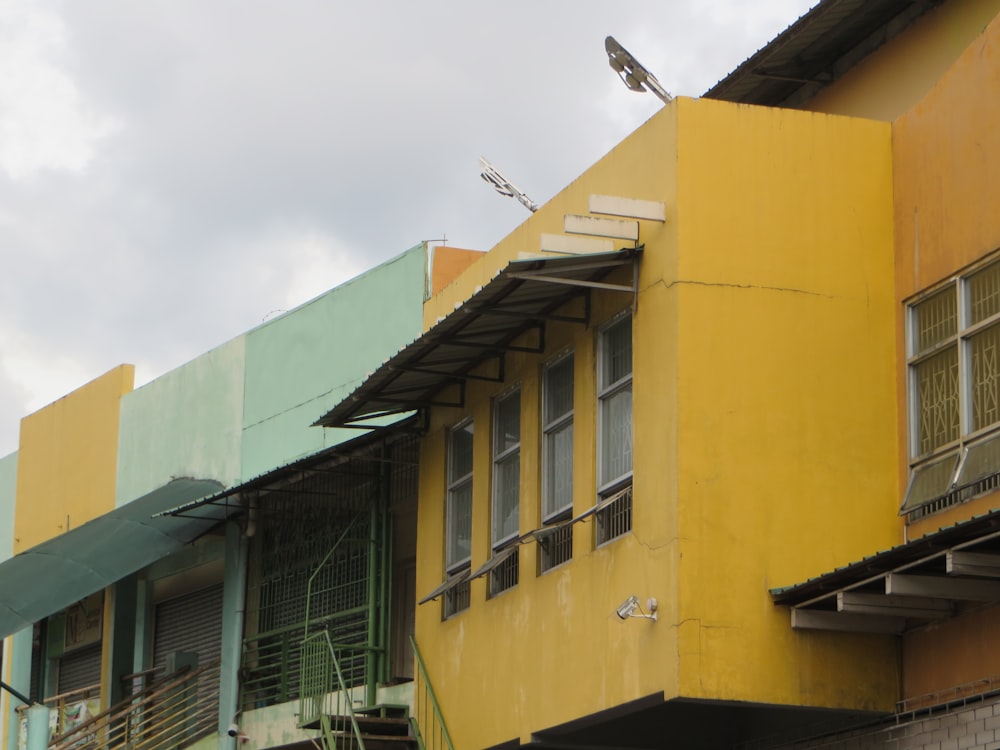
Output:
[[186, 423], [247, 406], [765, 440], [8, 493], [786, 390], [67, 460], [300, 365], [946, 180], [568, 653]]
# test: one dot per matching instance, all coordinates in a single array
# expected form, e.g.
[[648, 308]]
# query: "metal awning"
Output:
[[227, 502], [54, 574], [816, 50], [927, 579], [508, 314]]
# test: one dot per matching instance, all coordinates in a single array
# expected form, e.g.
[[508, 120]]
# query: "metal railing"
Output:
[[326, 699], [428, 721], [169, 714]]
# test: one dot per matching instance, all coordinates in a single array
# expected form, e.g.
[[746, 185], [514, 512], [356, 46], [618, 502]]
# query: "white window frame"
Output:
[[559, 423], [610, 485], [456, 484], [968, 436], [503, 455]]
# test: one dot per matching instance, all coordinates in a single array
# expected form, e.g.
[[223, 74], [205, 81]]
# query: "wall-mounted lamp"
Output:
[[631, 608]]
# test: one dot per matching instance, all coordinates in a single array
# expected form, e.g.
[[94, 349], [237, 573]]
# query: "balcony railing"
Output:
[[169, 714]]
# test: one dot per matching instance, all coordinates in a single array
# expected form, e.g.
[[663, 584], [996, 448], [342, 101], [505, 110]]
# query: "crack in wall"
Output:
[[728, 285]]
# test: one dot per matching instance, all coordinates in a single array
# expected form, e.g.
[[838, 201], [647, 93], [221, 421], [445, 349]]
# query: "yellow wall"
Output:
[[67, 460], [786, 395], [946, 178], [765, 440], [552, 649], [897, 75]]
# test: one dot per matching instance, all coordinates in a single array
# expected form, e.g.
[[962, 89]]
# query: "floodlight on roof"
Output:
[[504, 186], [631, 71]]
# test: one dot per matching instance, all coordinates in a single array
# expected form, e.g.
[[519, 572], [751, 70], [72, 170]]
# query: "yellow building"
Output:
[[763, 330]]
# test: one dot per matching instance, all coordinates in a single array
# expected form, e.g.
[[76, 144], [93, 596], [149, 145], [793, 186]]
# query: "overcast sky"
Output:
[[172, 173]]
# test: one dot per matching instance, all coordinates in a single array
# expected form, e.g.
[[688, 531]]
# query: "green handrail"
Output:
[[343, 691], [440, 729]]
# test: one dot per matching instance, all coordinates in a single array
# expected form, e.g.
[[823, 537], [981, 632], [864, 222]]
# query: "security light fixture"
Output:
[[631, 71], [628, 609], [504, 186]]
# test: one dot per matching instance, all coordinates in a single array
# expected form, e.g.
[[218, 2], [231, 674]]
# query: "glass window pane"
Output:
[[985, 377], [559, 476], [559, 389], [984, 294], [937, 400], [616, 435], [460, 460], [982, 460], [505, 506], [934, 320], [929, 482], [459, 524], [616, 352], [507, 423]]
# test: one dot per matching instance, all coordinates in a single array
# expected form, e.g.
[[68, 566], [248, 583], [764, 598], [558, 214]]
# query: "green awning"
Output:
[[54, 574]]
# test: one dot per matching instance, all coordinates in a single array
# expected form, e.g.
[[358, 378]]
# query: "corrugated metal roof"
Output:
[[926, 549], [60, 571], [816, 50], [519, 300]]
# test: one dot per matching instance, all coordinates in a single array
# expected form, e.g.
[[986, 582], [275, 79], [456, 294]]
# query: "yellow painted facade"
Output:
[[947, 187], [764, 439], [890, 81], [946, 175], [67, 460]]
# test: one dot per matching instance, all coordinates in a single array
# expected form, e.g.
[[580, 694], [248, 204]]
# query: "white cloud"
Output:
[[44, 123], [273, 152]]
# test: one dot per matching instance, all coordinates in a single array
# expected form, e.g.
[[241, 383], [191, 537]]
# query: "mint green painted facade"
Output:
[[8, 492], [247, 406], [186, 423], [239, 411], [299, 366]]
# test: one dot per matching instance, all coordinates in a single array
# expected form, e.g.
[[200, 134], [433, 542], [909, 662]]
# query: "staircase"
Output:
[[383, 727]]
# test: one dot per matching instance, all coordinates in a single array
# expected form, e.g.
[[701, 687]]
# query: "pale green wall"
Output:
[[8, 492], [247, 406], [185, 423], [299, 366]]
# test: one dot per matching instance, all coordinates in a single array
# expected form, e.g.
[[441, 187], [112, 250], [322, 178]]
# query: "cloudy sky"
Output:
[[173, 172]]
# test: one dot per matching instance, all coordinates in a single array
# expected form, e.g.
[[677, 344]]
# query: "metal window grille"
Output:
[[556, 547], [456, 599], [614, 518], [300, 519], [504, 575], [954, 362]]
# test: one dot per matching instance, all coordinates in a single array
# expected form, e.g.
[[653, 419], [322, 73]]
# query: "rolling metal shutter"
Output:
[[193, 623], [79, 669]]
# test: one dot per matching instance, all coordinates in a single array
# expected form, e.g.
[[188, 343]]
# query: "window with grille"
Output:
[[458, 532], [506, 485], [614, 415], [953, 350]]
